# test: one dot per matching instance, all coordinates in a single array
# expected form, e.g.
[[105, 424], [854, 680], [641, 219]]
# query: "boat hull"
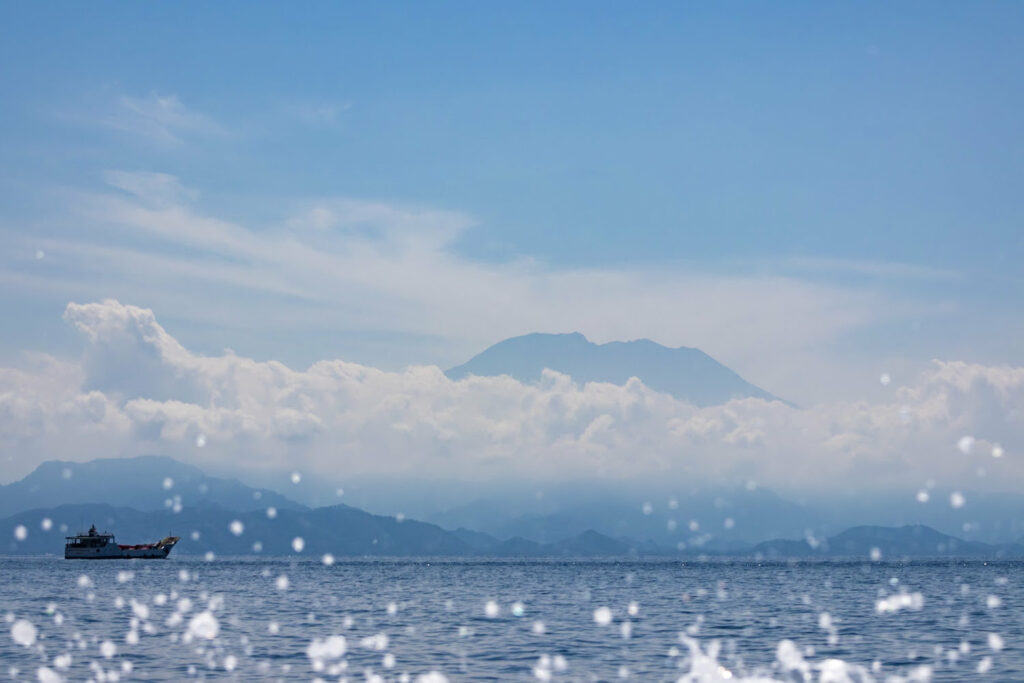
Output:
[[116, 553], [101, 546]]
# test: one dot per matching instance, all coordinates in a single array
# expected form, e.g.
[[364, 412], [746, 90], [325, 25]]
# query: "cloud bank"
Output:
[[348, 270], [136, 389]]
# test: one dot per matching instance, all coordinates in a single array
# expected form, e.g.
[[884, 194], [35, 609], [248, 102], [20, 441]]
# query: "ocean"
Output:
[[430, 621]]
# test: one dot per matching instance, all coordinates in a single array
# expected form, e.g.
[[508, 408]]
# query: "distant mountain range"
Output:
[[348, 532], [688, 374], [148, 482], [710, 515], [886, 543], [143, 499]]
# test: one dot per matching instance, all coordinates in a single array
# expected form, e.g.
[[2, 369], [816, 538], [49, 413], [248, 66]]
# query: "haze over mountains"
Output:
[[140, 500], [148, 482], [686, 373]]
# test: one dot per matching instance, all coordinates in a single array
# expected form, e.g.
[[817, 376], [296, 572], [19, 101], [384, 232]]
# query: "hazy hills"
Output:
[[886, 542], [688, 374], [149, 482], [348, 532], [143, 499]]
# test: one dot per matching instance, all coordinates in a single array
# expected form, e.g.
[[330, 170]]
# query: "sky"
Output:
[[814, 194]]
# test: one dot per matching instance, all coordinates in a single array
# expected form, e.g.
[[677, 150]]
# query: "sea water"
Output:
[[435, 620]]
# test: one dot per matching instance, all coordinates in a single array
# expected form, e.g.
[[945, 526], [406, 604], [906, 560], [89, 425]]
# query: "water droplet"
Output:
[[298, 544], [957, 500], [922, 496], [168, 483], [491, 609], [271, 512], [23, 632], [108, 649], [602, 616], [965, 444], [201, 441], [327, 559], [237, 527], [204, 625], [20, 532], [997, 451], [46, 524], [885, 379], [296, 477]]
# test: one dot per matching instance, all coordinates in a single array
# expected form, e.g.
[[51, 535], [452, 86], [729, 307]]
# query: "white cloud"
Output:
[[137, 389], [151, 188], [342, 265], [160, 118]]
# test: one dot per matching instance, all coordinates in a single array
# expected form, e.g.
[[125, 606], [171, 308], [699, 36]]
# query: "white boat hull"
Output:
[[102, 546]]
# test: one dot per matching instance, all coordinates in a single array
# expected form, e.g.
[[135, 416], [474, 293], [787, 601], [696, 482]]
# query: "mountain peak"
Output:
[[686, 373]]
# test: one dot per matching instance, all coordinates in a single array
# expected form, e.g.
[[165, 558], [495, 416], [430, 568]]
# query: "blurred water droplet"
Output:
[[957, 500], [298, 544], [237, 528], [885, 379], [23, 632], [201, 441], [965, 444], [20, 532], [602, 616], [296, 477]]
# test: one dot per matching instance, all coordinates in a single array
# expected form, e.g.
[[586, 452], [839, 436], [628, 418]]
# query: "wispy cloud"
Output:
[[872, 269], [346, 264], [160, 118], [151, 188], [318, 114]]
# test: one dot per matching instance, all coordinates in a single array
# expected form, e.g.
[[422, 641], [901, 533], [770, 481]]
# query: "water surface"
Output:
[[268, 619]]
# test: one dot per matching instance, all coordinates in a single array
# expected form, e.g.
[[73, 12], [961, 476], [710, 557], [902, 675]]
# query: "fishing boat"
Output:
[[94, 545]]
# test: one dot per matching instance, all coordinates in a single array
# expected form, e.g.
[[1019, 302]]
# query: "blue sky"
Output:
[[865, 159]]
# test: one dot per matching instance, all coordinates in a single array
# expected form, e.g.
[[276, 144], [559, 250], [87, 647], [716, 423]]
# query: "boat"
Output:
[[94, 545]]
